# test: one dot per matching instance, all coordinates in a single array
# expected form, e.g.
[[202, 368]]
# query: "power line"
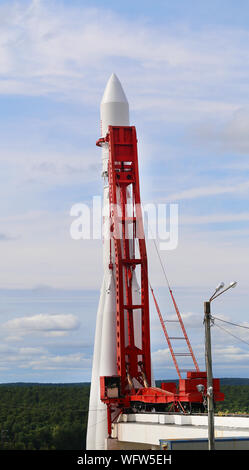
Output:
[[246, 342], [230, 323]]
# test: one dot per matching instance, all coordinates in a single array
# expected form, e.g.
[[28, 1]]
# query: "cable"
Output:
[[230, 323], [216, 318], [178, 315], [154, 241], [243, 341], [158, 254]]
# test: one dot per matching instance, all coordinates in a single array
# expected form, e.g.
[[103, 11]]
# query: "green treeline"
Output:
[[46, 417], [236, 399], [41, 417]]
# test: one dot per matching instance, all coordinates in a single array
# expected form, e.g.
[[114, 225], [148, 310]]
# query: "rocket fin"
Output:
[[108, 362], [94, 391]]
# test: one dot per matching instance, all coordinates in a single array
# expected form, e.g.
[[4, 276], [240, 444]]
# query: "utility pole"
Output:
[[208, 357]]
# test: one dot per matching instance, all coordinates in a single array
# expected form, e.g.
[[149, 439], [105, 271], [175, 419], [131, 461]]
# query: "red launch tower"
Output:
[[132, 386]]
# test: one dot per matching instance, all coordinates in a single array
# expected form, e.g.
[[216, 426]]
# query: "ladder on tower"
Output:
[[169, 339]]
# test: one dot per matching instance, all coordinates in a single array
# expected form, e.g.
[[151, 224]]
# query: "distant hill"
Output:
[[223, 381], [234, 381], [35, 384]]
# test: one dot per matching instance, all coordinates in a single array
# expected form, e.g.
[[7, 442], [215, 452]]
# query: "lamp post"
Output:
[[208, 359]]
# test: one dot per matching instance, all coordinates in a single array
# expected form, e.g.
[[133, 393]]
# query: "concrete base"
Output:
[[146, 430], [115, 444]]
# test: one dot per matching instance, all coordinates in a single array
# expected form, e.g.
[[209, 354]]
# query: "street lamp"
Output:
[[208, 358]]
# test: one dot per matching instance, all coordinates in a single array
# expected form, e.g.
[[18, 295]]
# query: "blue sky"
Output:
[[184, 68]]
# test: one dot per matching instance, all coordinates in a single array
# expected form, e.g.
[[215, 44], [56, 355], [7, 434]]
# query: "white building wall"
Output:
[[148, 429]]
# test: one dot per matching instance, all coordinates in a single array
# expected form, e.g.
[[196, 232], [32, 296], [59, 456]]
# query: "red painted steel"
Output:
[[184, 331], [132, 361], [133, 381], [168, 339], [166, 335]]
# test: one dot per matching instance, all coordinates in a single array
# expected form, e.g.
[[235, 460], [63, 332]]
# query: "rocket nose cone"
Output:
[[114, 92], [114, 108]]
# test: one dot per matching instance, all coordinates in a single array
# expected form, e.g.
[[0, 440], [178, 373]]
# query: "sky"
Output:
[[184, 67]]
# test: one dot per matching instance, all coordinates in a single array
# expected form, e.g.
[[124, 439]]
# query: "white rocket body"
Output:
[[114, 110]]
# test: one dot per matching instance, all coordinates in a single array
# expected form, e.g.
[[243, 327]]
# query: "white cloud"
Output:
[[230, 135], [29, 351], [38, 358], [43, 323], [192, 320], [230, 355], [51, 168], [43, 245], [214, 218], [161, 357], [63, 362], [210, 190], [202, 259], [70, 51]]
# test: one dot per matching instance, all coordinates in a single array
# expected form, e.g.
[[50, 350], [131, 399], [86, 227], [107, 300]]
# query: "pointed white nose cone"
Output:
[[114, 92], [114, 109]]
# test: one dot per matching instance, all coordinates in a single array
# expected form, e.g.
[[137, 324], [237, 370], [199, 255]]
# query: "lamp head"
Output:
[[200, 388], [220, 286]]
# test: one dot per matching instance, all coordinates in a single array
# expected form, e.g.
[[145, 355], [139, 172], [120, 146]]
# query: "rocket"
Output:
[[114, 110], [121, 369], [122, 337]]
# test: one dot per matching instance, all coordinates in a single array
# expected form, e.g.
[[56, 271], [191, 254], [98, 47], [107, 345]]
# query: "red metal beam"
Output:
[[123, 178]]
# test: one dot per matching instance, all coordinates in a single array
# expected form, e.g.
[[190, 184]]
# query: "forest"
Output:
[[54, 416], [236, 399], [43, 417]]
